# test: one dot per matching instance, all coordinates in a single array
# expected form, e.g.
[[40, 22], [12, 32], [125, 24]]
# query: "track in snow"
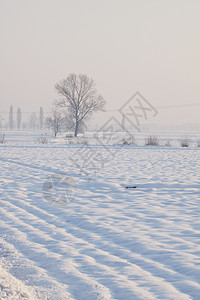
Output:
[[109, 243]]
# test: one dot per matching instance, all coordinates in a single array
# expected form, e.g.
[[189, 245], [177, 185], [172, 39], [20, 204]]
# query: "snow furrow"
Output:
[[110, 242], [42, 237]]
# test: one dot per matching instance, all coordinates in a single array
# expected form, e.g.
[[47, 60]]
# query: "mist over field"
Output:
[[125, 46]]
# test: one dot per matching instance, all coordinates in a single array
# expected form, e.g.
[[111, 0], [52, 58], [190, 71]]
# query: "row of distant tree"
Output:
[[77, 101], [15, 120]]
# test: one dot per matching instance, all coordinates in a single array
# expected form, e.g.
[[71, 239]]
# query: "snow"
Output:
[[96, 239]]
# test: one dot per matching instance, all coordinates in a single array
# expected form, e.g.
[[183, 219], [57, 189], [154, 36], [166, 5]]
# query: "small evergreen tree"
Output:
[[19, 117], [11, 121], [41, 117]]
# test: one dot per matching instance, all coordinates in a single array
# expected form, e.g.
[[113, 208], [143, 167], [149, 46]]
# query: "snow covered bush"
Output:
[[70, 141], [128, 140], [77, 140], [42, 140], [2, 139], [168, 143], [184, 142], [69, 136], [82, 140], [152, 140]]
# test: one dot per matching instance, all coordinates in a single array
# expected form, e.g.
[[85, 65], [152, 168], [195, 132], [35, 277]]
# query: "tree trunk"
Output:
[[76, 129]]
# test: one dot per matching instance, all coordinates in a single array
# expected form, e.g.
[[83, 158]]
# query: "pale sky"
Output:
[[125, 45]]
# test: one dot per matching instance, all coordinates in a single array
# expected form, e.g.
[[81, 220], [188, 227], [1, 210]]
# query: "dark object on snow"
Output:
[[130, 187]]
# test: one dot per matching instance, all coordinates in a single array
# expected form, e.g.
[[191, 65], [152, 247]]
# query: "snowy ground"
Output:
[[109, 242]]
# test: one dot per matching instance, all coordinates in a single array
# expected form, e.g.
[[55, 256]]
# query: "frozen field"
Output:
[[109, 242]]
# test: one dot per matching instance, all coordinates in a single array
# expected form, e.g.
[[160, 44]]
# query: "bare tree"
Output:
[[19, 117], [11, 121], [1, 124], [80, 97], [41, 117], [33, 119], [24, 125], [56, 120]]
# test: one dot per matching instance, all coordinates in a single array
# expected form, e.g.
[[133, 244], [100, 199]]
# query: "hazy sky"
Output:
[[150, 46]]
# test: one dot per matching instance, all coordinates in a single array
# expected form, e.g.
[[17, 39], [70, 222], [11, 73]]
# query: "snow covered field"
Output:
[[109, 242]]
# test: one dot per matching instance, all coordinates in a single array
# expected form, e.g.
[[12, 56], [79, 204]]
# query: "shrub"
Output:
[[70, 141], [77, 140], [184, 142], [69, 136], [82, 140], [168, 143], [152, 140], [128, 140], [42, 140], [2, 139]]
